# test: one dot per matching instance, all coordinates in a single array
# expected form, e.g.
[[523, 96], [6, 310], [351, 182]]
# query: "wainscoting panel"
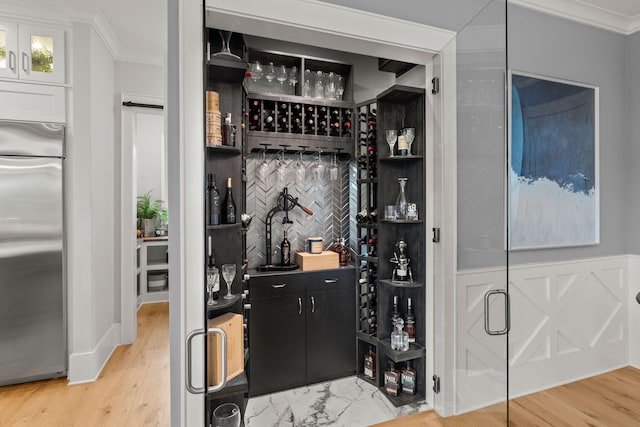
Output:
[[568, 321]]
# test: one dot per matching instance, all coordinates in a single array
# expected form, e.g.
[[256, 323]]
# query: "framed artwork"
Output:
[[553, 163]]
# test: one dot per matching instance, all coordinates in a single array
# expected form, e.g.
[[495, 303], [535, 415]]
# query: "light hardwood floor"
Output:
[[132, 390], [607, 400]]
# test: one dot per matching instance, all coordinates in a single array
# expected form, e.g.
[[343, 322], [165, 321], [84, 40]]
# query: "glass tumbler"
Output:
[[227, 415]]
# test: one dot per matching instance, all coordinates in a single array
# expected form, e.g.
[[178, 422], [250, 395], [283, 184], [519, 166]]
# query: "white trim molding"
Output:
[[86, 367], [585, 13], [634, 311]]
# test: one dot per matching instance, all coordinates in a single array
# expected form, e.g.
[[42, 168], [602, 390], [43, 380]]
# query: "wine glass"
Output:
[[318, 91], [224, 50], [333, 169], [318, 168], [281, 170], [392, 136], [228, 273], [409, 135], [281, 76], [256, 74], [339, 87], [210, 301], [269, 74], [301, 170], [263, 168], [330, 87], [293, 78], [227, 415]]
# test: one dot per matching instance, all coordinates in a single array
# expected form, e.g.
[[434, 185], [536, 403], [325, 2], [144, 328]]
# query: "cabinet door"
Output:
[[42, 55], [331, 337], [8, 50], [276, 343]]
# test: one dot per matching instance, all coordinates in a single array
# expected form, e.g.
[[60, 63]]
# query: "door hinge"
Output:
[[436, 384], [436, 235], [435, 83]]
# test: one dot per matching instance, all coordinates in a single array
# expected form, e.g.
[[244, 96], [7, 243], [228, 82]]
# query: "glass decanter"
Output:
[[399, 338], [401, 201]]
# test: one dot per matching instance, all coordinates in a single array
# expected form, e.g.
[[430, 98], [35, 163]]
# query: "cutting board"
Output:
[[231, 324]]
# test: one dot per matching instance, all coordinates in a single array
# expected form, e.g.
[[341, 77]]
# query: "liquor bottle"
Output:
[[408, 379], [403, 147], [411, 322], [285, 250], [370, 364], [392, 380], [229, 206], [399, 338], [213, 277], [395, 314], [213, 201]]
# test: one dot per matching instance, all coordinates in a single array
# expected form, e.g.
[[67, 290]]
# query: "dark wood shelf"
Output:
[[404, 221], [415, 351], [236, 385], [403, 399], [413, 284], [224, 226], [367, 180], [399, 94], [291, 142], [226, 69], [224, 149], [368, 380], [365, 225], [401, 158], [363, 336], [223, 304], [300, 100]]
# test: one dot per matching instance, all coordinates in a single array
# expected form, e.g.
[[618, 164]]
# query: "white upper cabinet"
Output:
[[32, 52]]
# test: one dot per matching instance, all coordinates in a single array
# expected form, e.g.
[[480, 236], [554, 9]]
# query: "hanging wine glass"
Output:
[[300, 168], [269, 74], [224, 50], [281, 76], [391, 136], [262, 171], [293, 79], [318, 168], [333, 169], [281, 171], [228, 274]]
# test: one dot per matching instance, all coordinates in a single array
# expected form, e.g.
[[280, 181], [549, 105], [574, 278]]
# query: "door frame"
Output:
[[128, 215], [309, 22]]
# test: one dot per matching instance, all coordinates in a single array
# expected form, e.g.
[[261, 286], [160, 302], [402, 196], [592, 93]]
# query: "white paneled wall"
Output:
[[569, 321]]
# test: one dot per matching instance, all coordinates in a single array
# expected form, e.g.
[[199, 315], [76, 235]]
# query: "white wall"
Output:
[[137, 78], [90, 206]]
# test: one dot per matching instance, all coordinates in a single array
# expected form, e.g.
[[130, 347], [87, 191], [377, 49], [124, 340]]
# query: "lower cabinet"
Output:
[[301, 329]]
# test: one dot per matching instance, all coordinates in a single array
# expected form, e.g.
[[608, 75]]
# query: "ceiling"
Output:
[[135, 31]]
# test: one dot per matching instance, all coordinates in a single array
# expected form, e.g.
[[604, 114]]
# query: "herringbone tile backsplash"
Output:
[[329, 200]]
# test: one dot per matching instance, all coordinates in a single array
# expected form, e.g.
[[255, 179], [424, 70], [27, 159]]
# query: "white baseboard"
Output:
[[86, 367]]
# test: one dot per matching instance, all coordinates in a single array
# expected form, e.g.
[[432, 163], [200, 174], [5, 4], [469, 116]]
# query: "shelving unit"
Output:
[[152, 259], [225, 76], [397, 107]]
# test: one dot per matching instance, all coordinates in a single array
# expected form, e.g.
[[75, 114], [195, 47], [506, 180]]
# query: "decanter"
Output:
[[401, 201], [399, 338]]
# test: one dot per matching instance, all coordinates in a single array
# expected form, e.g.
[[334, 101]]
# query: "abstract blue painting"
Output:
[[553, 190]]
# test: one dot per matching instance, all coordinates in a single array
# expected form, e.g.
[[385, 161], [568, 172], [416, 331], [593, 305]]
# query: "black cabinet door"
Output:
[[330, 334], [277, 343]]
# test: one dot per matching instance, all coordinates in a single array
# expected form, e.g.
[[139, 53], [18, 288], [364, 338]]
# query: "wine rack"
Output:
[[394, 109]]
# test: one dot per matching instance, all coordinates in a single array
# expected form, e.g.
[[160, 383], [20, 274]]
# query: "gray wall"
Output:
[[633, 116], [556, 47]]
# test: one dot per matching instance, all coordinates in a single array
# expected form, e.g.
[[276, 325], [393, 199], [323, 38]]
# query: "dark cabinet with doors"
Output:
[[300, 328]]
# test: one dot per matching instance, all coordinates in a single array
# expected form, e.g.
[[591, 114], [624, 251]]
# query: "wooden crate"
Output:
[[231, 324], [323, 261]]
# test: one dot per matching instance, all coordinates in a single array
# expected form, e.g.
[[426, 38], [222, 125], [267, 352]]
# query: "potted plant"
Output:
[[148, 211]]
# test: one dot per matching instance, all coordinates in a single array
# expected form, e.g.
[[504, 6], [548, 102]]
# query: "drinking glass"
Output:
[[300, 167], [269, 74], [409, 135], [228, 273], [224, 50], [227, 415], [333, 169], [318, 168], [210, 301], [392, 136], [281, 170], [307, 86], [330, 87], [263, 168], [339, 87], [281, 76], [256, 74], [293, 78], [318, 92]]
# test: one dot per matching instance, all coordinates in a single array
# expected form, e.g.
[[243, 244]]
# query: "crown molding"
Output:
[[578, 11]]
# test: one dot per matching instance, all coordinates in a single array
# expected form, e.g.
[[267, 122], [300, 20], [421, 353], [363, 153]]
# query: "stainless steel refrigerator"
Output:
[[33, 337]]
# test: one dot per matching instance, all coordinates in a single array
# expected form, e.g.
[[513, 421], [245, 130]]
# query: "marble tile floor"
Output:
[[348, 402]]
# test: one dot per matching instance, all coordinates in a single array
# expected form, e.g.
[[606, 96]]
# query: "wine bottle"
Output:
[[213, 202], [411, 322], [285, 250], [282, 125], [213, 276], [403, 147], [229, 205], [296, 125], [268, 123], [395, 315]]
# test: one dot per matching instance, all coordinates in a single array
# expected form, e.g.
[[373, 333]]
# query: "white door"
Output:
[[8, 49]]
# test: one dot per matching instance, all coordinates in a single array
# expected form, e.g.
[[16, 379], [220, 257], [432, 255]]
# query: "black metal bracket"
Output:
[[436, 384], [436, 235], [638, 297], [435, 85]]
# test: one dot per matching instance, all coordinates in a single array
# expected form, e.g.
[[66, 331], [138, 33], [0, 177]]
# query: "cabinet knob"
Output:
[[247, 306]]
